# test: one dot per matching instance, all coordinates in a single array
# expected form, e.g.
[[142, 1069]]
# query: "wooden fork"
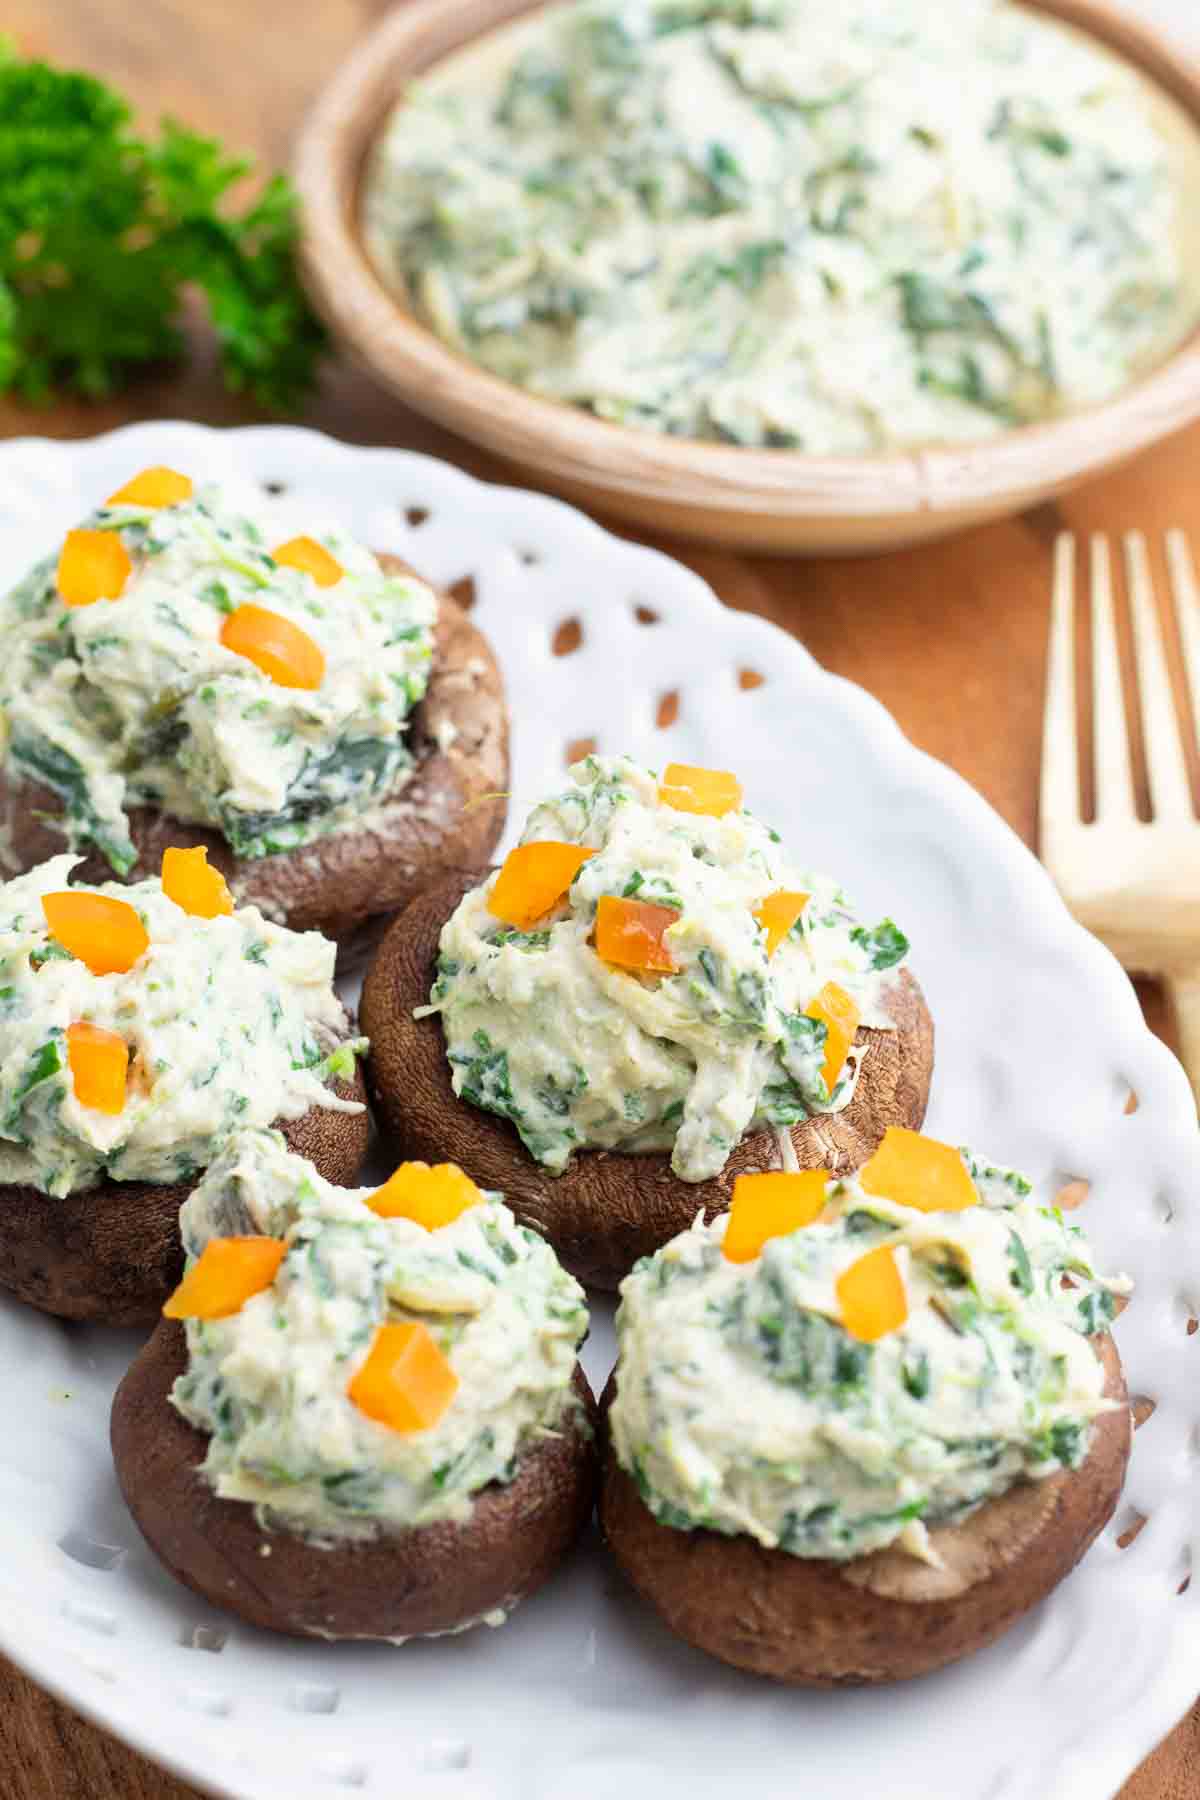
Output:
[[1136, 885]]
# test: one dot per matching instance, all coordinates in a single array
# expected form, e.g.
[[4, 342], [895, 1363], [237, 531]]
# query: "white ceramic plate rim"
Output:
[[493, 532]]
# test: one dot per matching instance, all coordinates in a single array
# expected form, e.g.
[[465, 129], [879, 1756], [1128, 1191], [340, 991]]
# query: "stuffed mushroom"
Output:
[[648, 999], [858, 1428], [141, 1026], [179, 673], [363, 1416]]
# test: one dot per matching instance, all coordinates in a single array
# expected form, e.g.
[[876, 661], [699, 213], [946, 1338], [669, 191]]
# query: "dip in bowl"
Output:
[[772, 273]]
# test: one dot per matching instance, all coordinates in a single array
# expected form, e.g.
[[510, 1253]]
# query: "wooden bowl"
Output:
[[767, 500]]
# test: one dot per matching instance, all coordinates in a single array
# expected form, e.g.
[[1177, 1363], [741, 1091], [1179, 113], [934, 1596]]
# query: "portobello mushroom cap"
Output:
[[399, 1584], [881, 1617], [337, 883], [609, 1207], [112, 1253]]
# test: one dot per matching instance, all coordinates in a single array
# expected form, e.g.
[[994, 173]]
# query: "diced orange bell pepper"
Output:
[[431, 1197], [93, 565], [871, 1295], [777, 914], [406, 1383], [629, 935], [771, 1205], [840, 1015], [311, 558], [99, 1064], [273, 644], [228, 1272], [153, 487], [191, 884], [711, 791], [104, 933], [918, 1171], [534, 878]]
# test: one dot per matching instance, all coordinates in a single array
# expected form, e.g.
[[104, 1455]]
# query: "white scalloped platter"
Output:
[[1040, 1041]]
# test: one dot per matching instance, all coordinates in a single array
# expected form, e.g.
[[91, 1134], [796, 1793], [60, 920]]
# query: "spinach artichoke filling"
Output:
[[579, 1054], [269, 1385], [137, 700], [746, 1406]]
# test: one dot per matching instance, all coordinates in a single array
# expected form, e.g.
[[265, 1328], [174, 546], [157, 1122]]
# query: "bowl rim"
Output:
[[328, 167]]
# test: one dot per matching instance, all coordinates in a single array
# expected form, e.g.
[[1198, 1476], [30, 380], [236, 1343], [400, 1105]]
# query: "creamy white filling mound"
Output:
[[230, 1022], [839, 228], [578, 1054], [744, 1406], [269, 1384], [136, 701]]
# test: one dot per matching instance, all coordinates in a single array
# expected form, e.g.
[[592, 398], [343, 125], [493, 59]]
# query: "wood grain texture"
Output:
[[952, 639]]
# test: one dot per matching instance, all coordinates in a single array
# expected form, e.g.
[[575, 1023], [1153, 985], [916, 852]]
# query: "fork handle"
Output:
[[1183, 998]]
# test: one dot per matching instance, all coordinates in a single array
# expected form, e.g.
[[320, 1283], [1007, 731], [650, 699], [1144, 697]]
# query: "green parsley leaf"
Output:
[[101, 230]]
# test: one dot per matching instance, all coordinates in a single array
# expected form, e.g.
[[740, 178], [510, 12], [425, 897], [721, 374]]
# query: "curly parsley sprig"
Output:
[[101, 231]]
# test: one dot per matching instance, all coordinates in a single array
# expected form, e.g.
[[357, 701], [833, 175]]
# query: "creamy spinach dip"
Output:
[[835, 228], [230, 1022], [136, 701], [269, 1384], [582, 1055], [744, 1406]]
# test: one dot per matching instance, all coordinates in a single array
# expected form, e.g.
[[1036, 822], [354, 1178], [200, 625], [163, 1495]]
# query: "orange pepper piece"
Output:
[[629, 935], [871, 1295], [229, 1272], [771, 1205], [534, 879], [840, 1015], [105, 934], [918, 1171], [273, 644], [431, 1197], [191, 884], [93, 565], [406, 1383], [153, 487], [711, 791], [777, 914], [305, 554], [99, 1064]]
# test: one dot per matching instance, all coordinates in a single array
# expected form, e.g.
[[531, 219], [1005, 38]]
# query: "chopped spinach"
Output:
[[711, 967], [353, 772], [886, 945], [49, 952], [1021, 1274], [39, 760], [915, 1374], [1064, 1442], [484, 1079], [1096, 1311], [44, 1064], [557, 1096], [521, 940]]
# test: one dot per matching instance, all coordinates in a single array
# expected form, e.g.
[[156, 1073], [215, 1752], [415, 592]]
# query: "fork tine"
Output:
[[1114, 778], [1187, 611], [1170, 791], [1060, 753]]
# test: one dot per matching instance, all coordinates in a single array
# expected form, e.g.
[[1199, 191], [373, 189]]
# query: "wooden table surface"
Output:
[[951, 639]]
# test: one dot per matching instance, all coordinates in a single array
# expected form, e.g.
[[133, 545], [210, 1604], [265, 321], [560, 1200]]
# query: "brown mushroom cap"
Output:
[[438, 820], [609, 1207], [400, 1584], [112, 1253], [882, 1617]]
